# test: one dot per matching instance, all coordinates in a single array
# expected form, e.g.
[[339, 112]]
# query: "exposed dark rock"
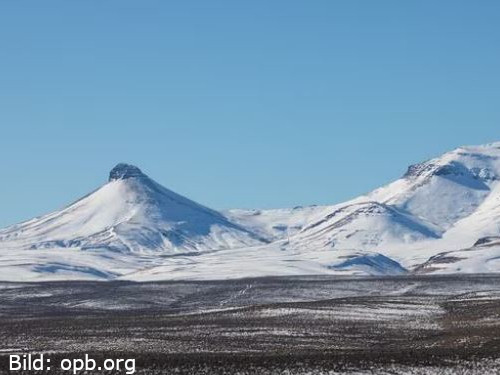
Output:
[[123, 171]]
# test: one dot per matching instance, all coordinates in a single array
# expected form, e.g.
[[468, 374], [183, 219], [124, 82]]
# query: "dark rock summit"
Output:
[[123, 171]]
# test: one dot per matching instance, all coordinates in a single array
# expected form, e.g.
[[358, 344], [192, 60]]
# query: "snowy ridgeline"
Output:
[[442, 216]]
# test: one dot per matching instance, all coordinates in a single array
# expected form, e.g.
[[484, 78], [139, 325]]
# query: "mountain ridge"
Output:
[[432, 219]]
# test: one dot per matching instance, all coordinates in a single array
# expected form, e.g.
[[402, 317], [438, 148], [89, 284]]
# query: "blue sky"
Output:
[[239, 104]]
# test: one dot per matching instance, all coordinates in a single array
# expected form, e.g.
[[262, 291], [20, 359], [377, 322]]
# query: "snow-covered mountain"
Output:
[[440, 216], [447, 203], [131, 213]]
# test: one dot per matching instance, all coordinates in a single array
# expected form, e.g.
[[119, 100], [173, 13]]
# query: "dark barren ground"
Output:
[[294, 325]]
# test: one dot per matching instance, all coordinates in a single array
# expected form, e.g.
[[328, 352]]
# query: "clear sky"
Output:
[[239, 103]]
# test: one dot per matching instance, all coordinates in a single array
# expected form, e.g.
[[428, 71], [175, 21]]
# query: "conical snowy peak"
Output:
[[131, 213]]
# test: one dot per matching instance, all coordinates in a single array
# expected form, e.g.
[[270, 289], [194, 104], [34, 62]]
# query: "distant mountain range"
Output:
[[442, 216]]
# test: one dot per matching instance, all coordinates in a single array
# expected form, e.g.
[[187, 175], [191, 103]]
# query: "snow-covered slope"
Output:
[[446, 189], [270, 260], [276, 224], [443, 204], [131, 213], [133, 228], [366, 225], [483, 257]]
